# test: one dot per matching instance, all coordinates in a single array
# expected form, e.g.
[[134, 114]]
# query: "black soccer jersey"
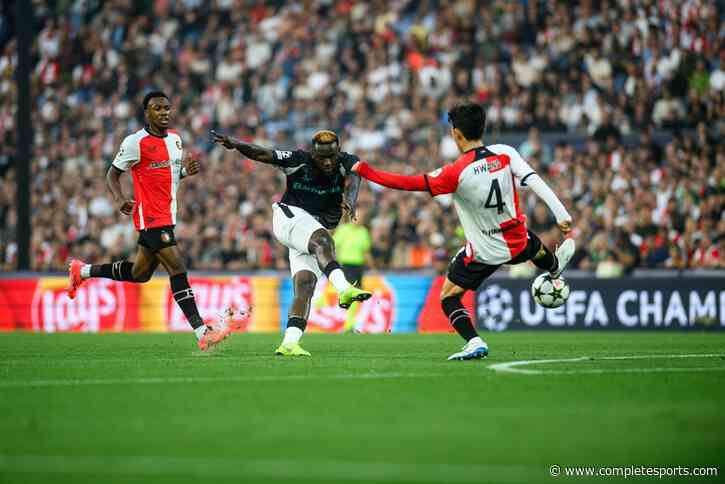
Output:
[[310, 189]]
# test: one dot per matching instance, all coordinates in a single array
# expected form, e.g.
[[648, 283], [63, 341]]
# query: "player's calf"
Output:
[[207, 336], [322, 247], [459, 318], [78, 272], [184, 297], [545, 260], [304, 286], [118, 271]]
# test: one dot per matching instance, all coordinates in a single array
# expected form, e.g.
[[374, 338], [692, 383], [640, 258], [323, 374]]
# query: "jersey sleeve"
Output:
[[528, 178], [128, 154], [443, 180], [289, 159], [347, 161], [519, 167], [414, 183]]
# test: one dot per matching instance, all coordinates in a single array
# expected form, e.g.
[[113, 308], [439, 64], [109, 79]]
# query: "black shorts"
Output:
[[471, 275], [157, 238]]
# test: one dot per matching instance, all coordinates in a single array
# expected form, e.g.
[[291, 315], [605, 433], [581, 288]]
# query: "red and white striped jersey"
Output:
[[484, 194], [156, 164]]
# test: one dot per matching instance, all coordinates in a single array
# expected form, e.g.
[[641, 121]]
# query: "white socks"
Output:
[[292, 335], [86, 271], [337, 278], [200, 331]]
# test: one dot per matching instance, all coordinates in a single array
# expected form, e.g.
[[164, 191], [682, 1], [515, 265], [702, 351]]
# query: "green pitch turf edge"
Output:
[[150, 408]]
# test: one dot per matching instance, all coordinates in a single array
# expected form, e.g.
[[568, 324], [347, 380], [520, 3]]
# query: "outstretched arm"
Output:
[[415, 183], [251, 151], [351, 192], [539, 186], [529, 178]]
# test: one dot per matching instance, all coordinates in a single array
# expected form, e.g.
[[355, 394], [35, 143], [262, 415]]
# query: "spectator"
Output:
[[383, 75], [533, 147]]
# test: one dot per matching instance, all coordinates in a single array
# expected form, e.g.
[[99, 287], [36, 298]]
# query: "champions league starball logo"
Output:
[[495, 308]]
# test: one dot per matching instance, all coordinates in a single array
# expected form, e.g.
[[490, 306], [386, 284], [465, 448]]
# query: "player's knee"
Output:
[[143, 276], [450, 290], [176, 268], [321, 242], [305, 284]]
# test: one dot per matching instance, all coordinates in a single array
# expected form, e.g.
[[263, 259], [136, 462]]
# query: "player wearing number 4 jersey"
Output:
[[154, 156], [483, 183]]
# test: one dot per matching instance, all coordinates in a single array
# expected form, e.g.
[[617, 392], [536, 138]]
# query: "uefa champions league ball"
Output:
[[550, 292]]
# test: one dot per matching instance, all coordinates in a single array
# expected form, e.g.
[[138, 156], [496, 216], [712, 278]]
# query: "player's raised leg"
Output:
[[141, 270], [184, 296], [304, 287], [322, 246], [459, 318]]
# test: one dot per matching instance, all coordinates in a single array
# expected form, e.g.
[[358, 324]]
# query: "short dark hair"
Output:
[[148, 97], [469, 118], [325, 141]]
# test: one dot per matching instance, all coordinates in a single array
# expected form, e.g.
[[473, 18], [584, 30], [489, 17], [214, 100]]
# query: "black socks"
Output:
[[118, 271], [458, 317], [184, 297], [547, 262], [331, 267], [297, 322]]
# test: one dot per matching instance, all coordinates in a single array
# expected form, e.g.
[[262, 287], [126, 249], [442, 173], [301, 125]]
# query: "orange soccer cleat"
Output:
[[232, 319], [74, 276], [211, 338]]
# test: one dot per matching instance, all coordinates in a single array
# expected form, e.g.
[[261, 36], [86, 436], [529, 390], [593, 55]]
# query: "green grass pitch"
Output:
[[149, 408]]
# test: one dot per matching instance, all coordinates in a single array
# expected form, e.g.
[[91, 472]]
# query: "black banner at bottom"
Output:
[[626, 303]]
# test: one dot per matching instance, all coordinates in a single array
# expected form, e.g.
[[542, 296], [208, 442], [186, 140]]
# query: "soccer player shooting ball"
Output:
[[483, 183], [312, 205], [155, 157]]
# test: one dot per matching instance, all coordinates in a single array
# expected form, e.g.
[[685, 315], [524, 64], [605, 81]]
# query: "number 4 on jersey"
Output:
[[494, 199]]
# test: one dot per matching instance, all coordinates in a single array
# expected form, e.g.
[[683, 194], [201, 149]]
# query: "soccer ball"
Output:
[[550, 292]]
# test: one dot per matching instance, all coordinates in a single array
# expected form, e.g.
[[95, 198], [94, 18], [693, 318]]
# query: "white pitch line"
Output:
[[512, 366], [245, 469], [635, 370], [209, 379]]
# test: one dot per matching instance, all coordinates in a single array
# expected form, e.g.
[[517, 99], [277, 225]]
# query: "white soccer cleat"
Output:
[[474, 350], [563, 254]]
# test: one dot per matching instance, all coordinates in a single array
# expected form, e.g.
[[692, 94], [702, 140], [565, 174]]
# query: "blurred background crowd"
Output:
[[618, 104]]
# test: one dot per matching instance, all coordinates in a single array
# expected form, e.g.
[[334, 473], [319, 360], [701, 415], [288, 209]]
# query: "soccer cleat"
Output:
[[225, 320], [472, 351], [74, 276], [291, 349], [352, 294], [211, 338], [564, 254]]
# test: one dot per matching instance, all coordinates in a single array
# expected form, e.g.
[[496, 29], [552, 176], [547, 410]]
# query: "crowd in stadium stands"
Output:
[[381, 73]]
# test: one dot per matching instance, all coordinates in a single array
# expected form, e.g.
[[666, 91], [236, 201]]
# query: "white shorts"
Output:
[[293, 227]]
